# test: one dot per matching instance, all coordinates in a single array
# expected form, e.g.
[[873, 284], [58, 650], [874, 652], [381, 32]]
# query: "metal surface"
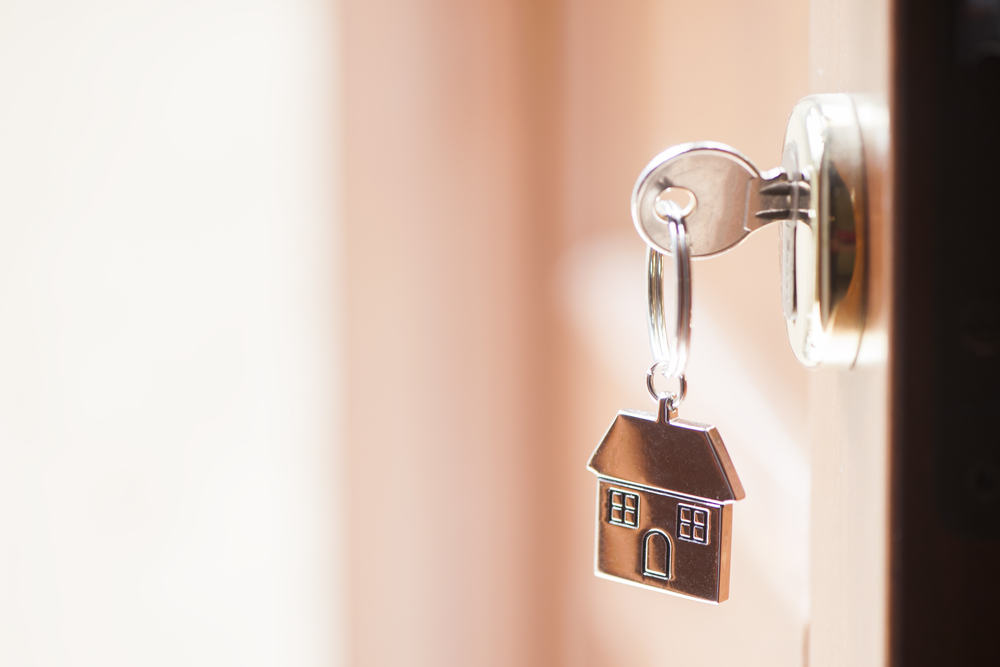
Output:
[[678, 484], [670, 336], [674, 399], [731, 198], [825, 294], [818, 195]]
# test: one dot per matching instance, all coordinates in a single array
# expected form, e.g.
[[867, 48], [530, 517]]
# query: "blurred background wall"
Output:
[[312, 312], [168, 333], [495, 324]]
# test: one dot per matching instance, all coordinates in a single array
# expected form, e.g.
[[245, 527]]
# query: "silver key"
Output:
[[730, 197], [818, 194]]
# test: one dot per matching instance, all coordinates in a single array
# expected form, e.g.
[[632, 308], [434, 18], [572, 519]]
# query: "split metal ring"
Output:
[[673, 399], [669, 341]]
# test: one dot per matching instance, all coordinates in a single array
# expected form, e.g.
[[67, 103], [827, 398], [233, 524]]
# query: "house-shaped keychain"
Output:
[[664, 504]]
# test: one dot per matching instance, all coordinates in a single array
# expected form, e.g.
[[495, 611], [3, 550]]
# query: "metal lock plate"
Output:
[[818, 198], [824, 254]]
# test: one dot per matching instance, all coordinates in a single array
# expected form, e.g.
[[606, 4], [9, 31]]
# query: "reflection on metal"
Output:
[[823, 150], [818, 195], [684, 482], [720, 178], [670, 328]]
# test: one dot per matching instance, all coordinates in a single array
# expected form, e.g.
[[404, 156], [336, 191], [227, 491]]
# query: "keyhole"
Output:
[[681, 197]]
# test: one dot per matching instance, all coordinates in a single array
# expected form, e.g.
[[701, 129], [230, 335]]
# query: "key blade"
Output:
[[784, 189], [774, 214]]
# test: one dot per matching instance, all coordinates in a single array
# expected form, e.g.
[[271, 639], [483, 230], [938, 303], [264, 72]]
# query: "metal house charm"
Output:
[[664, 504]]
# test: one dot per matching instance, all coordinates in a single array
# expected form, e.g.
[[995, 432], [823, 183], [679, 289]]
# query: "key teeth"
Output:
[[782, 191], [784, 188], [782, 214]]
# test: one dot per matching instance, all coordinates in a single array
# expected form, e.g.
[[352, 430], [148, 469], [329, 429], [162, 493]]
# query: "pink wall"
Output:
[[495, 324]]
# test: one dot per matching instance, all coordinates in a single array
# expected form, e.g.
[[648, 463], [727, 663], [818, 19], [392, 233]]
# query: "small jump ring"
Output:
[[670, 348], [673, 399]]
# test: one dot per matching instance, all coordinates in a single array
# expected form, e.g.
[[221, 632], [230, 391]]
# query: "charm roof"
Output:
[[676, 455]]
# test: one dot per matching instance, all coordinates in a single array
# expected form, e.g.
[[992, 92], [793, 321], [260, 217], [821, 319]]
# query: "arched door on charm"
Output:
[[656, 555]]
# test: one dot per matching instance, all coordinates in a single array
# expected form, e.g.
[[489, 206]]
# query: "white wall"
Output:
[[168, 459]]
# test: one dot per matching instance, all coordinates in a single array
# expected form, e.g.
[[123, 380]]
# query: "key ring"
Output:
[[673, 399], [670, 349]]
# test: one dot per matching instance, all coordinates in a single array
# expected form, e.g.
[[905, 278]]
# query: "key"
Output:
[[818, 196], [729, 197]]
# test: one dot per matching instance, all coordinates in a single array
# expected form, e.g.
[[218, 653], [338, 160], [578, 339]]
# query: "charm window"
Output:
[[692, 524], [623, 508]]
